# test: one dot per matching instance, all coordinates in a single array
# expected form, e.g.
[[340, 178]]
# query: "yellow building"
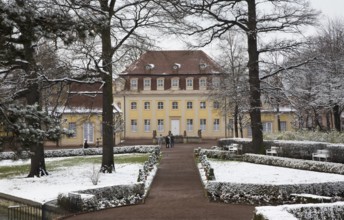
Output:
[[168, 91]]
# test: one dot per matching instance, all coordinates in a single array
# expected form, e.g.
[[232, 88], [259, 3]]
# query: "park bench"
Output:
[[234, 148], [273, 151], [321, 155]]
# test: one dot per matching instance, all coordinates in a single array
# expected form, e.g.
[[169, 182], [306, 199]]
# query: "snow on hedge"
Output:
[[83, 152], [301, 211], [320, 166]]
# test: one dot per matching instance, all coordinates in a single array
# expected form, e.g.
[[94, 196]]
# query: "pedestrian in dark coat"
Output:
[[172, 140], [167, 141], [86, 144]]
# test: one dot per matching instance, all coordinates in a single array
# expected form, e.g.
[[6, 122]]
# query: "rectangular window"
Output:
[[89, 132], [160, 105], [174, 105], [203, 124], [202, 105], [283, 125], [189, 83], [249, 132], [133, 105], [147, 84], [216, 105], [267, 127], [189, 124], [160, 125], [216, 82], [133, 84], [72, 128], [175, 83], [203, 82], [147, 125], [160, 83], [133, 124], [147, 105], [216, 124], [189, 105]]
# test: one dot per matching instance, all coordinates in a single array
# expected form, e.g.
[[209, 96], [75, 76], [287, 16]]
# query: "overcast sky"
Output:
[[329, 8]]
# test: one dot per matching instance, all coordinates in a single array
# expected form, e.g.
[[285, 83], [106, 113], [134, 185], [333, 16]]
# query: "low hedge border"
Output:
[[302, 211]]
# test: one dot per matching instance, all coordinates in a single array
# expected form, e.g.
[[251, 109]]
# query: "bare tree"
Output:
[[255, 18]]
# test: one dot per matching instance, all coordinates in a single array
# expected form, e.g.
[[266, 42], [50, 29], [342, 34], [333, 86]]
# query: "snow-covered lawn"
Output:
[[242, 172], [64, 179]]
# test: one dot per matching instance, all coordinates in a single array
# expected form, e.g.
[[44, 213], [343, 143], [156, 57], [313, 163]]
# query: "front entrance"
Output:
[[175, 123]]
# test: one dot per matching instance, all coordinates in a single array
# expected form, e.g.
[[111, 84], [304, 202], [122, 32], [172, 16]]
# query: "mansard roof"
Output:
[[173, 62]]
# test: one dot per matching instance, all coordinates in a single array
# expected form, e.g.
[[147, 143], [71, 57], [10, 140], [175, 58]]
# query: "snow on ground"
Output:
[[47, 188], [249, 173]]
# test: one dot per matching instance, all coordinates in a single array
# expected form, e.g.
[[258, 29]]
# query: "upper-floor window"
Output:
[[133, 84], [160, 83], [216, 82], [189, 105], [216, 105], [147, 84], [133, 105], [203, 105], [189, 83], [174, 105], [203, 83], [160, 105], [175, 83], [147, 105]]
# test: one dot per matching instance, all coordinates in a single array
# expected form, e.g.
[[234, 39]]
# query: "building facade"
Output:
[[167, 91]]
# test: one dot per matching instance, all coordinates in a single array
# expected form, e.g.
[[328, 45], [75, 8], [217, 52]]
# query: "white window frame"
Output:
[[174, 105], [203, 83], [160, 105], [72, 127], [88, 132], [202, 105], [175, 83], [133, 105], [216, 124], [283, 125], [216, 82], [189, 105], [133, 84], [267, 127], [216, 105], [160, 83], [160, 126], [189, 83], [147, 125], [189, 124], [147, 84], [133, 125], [203, 124], [147, 105]]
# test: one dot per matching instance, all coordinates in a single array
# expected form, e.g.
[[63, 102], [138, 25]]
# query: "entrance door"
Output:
[[175, 126]]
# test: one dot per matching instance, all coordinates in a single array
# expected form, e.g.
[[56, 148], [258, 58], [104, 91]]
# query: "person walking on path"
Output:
[[172, 140], [160, 140], [168, 141]]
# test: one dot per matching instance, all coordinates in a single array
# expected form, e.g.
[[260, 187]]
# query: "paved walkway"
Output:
[[176, 193]]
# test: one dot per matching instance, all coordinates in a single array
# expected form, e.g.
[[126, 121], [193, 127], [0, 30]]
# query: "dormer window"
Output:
[[202, 66], [149, 66], [176, 66]]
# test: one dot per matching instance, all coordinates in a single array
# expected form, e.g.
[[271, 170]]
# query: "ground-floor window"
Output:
[[133, 124], [267, 127], [283, 125], [89, 132], [72, 127], [189, 124], [160, 125], [147, 125], [203, 124]]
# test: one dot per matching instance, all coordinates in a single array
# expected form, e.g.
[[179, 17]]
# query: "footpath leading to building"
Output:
[[176, 193]]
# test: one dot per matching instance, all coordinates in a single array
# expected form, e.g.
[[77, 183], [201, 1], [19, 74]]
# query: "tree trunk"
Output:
[[108, 164], [236, 130], [254, 81], [336, 116]]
